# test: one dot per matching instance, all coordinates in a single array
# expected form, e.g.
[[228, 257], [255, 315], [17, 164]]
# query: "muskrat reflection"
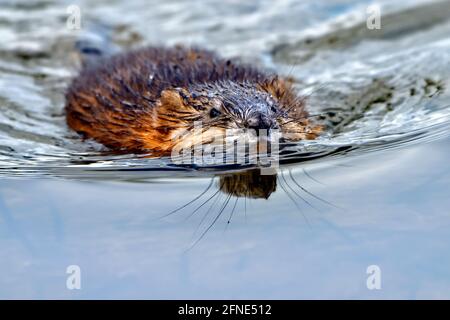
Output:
[[242, 186], [248, 184]]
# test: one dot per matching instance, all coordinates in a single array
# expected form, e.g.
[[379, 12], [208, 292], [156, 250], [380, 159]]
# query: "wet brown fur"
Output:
[[135, 101]]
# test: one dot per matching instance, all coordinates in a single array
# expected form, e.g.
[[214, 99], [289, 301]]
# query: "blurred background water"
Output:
[[381, 198]]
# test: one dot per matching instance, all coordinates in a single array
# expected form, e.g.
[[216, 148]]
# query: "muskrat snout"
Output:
[[261, 122]]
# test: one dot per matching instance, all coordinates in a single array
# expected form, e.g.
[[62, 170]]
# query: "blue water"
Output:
[[393, 212]]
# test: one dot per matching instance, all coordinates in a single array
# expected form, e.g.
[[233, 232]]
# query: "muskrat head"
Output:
[[207, 112]]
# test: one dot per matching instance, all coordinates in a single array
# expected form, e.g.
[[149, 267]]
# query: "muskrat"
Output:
[[147, 100]]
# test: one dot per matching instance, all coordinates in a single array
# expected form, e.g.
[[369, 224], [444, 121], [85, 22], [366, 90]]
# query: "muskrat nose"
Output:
[[253, 123], [260, 123]]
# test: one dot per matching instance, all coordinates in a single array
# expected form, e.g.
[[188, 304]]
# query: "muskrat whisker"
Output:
[[300, 118], [214, 221], [200, 206], [296, 193], [214, 122], [190, 202], [293, 66], [219, 196], [305, 132], [301, 99], [320, 87], [232, 212], [298, 101], [295, 202], [311, 177], [310, 193], [315, 115]]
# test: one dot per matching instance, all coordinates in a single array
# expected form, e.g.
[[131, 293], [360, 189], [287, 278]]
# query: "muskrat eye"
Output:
[[273, 109], [214, 113]]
